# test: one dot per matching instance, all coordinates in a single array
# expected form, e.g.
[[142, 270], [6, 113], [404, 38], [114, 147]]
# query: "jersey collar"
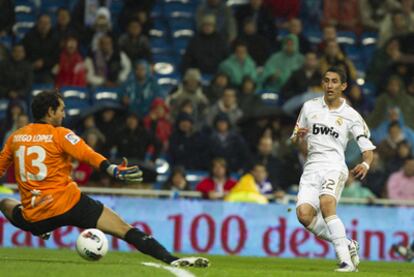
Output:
[[324, 105]]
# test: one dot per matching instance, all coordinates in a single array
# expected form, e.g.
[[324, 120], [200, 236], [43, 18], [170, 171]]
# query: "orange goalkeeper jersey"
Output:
[[42, 156]]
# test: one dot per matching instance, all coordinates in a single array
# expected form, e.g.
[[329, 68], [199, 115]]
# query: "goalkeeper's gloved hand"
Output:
[[123, 172]]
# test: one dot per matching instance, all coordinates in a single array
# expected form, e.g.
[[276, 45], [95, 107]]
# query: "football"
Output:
[[92, 244]]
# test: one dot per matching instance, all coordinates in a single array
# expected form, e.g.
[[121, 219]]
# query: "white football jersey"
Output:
[[329, 133]]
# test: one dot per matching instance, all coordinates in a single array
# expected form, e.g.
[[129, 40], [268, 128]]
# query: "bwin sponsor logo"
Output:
[[324, 130]]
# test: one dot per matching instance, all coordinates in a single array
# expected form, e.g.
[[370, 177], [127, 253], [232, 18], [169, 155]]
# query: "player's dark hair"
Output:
[[340, 71], [43, 101]]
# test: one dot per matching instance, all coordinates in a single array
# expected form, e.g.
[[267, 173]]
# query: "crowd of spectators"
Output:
[[217, 119]]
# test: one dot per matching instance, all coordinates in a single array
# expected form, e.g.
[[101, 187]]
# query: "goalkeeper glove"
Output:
[[123, 172]]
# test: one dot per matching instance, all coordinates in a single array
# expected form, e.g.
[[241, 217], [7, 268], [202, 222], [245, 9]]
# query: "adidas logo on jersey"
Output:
[[324, 130]]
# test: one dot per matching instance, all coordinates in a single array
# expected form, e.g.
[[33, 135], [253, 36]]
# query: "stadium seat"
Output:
[[51, 6], [180, 45], [37, 88], [165, 64], [178, 10], [7, 41], [168, 83], [181, 24], [157, 11], [160, 29], [314, 35], [71, 92], [20, 29], [369, 38], [106, 97], [160, 45], [345, 37]]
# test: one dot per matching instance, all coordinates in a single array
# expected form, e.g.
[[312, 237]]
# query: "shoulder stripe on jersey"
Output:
[[358, 137]]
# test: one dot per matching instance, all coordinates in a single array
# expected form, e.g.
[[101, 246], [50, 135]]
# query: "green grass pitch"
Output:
[[61, 263]]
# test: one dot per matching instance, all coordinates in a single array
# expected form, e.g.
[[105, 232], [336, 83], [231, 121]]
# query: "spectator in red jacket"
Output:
[[157, 122], [71, 69], [218, 183]]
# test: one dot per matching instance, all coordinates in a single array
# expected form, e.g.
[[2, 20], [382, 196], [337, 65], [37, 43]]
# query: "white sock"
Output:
[[319, 228], [339, 240]]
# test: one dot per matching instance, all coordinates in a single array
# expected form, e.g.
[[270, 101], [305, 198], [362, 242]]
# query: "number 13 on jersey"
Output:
[[38, 162]]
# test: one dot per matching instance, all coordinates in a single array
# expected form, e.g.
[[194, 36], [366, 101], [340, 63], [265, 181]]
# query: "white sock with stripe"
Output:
[[339, 240], [319, 228]]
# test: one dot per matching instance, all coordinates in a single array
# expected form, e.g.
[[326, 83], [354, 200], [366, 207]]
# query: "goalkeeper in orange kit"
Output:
[[41, 153]]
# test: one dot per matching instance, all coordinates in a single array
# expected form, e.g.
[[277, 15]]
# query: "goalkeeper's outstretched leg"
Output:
[[111, 223]]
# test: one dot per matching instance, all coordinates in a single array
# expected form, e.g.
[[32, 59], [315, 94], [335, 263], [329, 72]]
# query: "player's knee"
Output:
[[305, 216], [328, 205], [7, 205]]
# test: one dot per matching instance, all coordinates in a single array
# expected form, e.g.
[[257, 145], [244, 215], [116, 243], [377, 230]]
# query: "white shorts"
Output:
[[313, 184]]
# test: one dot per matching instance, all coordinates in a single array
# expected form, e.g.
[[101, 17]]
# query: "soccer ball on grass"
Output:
[[92, 244]]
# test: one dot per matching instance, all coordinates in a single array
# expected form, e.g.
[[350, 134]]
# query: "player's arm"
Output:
[[300, 131], [79, 150], [6, 157], [361, 134]]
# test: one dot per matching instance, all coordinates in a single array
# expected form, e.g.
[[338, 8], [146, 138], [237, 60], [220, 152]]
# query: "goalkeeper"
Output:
[[41, 153]]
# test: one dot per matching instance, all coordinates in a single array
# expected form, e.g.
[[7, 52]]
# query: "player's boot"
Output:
[[353, 251], [403, 251], [345, 267], [45, 236], [191, 262]]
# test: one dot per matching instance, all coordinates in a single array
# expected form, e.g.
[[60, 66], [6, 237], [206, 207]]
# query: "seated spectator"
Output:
[[16, 75], [140, 89], [226, 23], [328, 34], [227, 104], [258, 46], [248, 100], [84, 11], [402, 152], [188, 107], [157, 122], [306, 78], [375, 11], [176, 182], [186, 146], [42, 49], [102, 26], [135, 44], [107, 66], [295, 28], [342, 14], [190, 88], [382, 59], [283, 10], [354, 189], [7, 18], [247, 188], [216, 87], [261, 16], [92, 134], [9, 122], [109, 123], [64, 27], [206, 49], [394, 24], [135, 142], [364, 105], [140, 10], [82, 172], [260, 175], [333, 56], [400, 185], [71, 68], [376, 177], [282, 64], [226, 143], [219, 182], [394, 115], [388, 147], [238, 65], [21, 121], [274, 166], [394, 96]]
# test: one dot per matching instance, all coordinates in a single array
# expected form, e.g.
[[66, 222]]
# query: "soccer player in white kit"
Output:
[[326, 124]]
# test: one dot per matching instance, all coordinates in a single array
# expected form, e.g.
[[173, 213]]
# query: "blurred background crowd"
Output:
[[204, 94]]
